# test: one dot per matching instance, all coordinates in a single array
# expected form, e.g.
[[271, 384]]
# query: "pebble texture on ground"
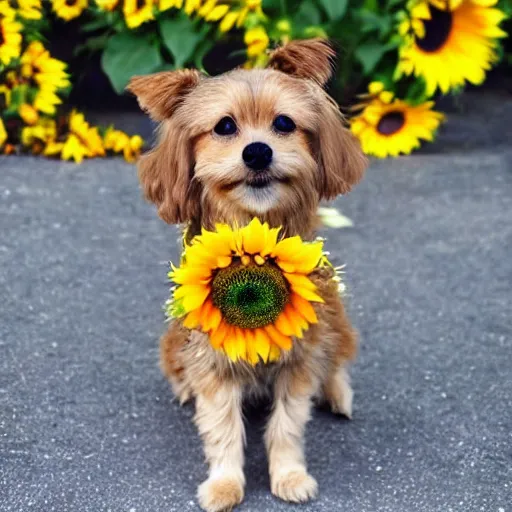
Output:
[[86, 419]]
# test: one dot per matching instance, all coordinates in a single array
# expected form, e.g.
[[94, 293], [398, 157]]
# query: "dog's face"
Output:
[[254, 144], [261, 142]]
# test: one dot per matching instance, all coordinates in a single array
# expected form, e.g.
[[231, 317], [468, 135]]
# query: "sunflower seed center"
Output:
[[391, 123], [437, 30], [250, 296]]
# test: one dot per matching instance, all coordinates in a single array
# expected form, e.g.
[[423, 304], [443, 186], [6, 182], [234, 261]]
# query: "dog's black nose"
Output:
[[257, 156]]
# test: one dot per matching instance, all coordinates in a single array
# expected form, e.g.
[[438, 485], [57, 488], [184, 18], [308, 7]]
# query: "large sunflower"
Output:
[[386, 126], [69, 9], [10, 34], [248, 290], [448, 42]]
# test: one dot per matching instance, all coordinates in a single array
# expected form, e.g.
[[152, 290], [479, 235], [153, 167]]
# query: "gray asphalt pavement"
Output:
[[86, 419]]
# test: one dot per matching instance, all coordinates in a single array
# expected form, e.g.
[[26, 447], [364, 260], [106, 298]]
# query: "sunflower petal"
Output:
[[271, 241], [309, 257], [230, 347], [283, 325], [287, 249], [304, 307], [192, 320], [307, 294], [253, 237], [295, 320], [262, 343], [300, 281], [252, 354], [286, 266], [274, 354], [282, 341], [190, 275], [217, 336], [188, 289], [241, 343]]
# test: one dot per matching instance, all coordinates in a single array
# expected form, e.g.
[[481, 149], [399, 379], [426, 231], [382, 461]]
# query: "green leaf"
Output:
[[369, 55], [129, 54], [180, 38], [307, 14], [92, 44], [371, 21], [201, 52], [335, 9]]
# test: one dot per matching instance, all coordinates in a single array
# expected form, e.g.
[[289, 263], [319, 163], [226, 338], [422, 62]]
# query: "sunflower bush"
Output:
[[396, 58]]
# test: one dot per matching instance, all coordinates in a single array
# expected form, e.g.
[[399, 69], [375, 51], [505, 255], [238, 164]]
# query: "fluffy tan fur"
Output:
[[198, 178]]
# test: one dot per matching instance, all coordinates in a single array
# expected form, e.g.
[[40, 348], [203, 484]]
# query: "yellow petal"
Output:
[[283, 325], [193, 296], [206, 310], [190, 275], [228, 21], [271, 241], [218, 335], [253, 237], [230, 347], [262, 344], [286, 266], [309, 257], [294, 320], [217, 13], [275, 354], [282, 341], [192, 319], [300, 281], [223, 261], [287, 249], [308, 294], [252, 353], [235, 345], [214, 319], [304, 308]]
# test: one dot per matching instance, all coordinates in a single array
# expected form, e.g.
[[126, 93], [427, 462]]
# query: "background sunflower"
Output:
[[416, 47], [449, 42], [388, 127]]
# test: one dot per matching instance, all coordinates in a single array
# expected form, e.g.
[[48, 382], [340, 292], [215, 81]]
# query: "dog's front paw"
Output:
[[296, 485], [221, 493]]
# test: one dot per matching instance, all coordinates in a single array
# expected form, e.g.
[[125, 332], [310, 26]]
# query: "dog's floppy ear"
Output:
[[341, 159], [165, 172], [160, 94], [311, 58]]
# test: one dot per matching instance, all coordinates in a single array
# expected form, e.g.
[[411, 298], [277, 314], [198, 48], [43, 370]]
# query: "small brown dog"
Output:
[[268, 143]]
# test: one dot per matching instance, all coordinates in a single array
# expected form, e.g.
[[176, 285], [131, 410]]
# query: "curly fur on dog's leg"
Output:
[[219, 420], [284, 439], [338, 392], [171, 344]]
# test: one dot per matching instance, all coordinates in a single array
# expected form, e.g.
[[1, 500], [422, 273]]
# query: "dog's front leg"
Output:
[[219, 420], [284, 437]]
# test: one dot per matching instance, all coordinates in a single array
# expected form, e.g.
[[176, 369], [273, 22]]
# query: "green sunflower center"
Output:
[[391, 123], [437, 30], [250, 297]]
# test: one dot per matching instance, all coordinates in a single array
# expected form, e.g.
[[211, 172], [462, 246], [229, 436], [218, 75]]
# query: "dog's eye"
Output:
[[226, 126], [284, 124]]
